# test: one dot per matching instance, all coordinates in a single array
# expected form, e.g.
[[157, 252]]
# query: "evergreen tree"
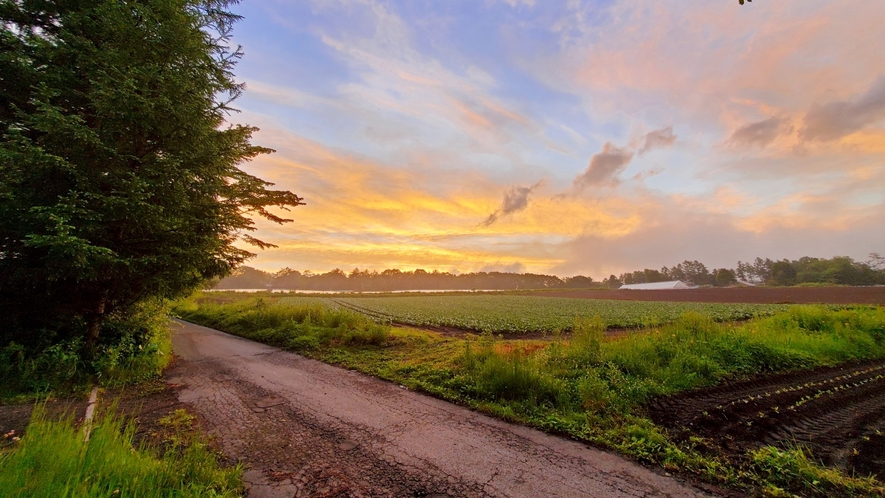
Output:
[[119, 174]]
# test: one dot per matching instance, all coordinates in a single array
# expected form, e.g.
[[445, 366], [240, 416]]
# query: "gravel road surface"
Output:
[[305, 428]]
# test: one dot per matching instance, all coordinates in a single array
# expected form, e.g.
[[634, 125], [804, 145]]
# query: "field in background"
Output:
[[510, 314]]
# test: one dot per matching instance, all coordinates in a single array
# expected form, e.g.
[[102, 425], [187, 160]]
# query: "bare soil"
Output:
[[145, 403], [757, 295], [836, 412], [14, 418]]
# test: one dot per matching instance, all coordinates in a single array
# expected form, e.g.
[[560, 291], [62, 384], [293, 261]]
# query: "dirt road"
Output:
[[309, 429]]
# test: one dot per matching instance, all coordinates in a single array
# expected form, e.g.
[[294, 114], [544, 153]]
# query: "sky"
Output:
[[566, 137]]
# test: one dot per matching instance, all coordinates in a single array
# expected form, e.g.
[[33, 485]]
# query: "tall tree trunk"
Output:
[[95, 321]]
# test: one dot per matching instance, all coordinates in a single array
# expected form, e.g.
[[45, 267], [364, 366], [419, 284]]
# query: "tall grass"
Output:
[[303, 327], [795, 468], [592, 373], [52, 460]]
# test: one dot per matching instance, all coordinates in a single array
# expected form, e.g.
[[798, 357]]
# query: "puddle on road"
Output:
[[270, 401], [347, 445]]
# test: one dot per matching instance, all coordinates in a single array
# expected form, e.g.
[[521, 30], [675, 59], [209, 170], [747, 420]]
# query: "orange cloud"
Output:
[[866, 141], [361, 213], [701, 58]]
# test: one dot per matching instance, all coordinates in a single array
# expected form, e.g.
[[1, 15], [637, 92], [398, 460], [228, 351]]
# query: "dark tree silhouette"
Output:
[[119, 177]]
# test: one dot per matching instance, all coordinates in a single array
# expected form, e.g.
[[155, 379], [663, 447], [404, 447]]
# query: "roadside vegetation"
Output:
[[133, 348], [585, 385], [64, 368], [53, 460], [307, 327]]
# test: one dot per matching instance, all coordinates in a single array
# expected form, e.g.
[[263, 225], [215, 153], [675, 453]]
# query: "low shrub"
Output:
[[513, 376], [132, 348]]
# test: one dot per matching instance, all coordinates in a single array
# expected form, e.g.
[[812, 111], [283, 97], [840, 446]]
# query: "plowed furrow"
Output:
[[832, 411], [377, 315]]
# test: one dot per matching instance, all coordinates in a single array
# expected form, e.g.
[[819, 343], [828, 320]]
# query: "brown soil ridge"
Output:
[[750, 295], [837, 412]]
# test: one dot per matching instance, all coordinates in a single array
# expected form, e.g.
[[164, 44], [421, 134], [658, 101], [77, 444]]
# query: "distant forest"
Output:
[[840, 270]]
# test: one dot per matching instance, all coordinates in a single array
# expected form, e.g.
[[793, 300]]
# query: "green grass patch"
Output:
[[53, 460], [302, 328], [793, 468]]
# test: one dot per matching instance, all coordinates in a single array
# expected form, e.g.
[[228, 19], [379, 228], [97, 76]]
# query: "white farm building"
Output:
[[675, 284]]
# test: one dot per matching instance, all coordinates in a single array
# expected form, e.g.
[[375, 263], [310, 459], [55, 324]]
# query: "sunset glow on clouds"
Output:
[[567, 137]]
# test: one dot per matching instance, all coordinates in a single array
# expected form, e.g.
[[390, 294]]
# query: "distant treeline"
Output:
[[840, 270], [391, 280]]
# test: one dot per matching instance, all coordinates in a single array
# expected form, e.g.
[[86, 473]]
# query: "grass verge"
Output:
[[54, 460], [588, 387]]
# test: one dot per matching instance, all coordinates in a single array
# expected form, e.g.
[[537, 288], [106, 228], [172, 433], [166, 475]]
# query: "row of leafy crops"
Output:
[[522, 314]]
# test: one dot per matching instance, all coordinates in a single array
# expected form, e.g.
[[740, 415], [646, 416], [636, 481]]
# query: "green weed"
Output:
[[297, 327], [793, 468], [52, 460]]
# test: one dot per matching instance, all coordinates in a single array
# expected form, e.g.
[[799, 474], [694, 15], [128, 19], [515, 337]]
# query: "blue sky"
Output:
[[567, 137]]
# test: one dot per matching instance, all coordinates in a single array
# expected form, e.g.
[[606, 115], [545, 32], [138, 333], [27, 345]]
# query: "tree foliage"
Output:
[[644, 276], [119, 175], [840, 270], [691, 272]]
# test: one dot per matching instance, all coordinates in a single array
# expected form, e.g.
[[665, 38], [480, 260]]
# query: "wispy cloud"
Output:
[[516, 199], [837, 119], [657, 139], [514, 3], [604, 167], [760, 133]]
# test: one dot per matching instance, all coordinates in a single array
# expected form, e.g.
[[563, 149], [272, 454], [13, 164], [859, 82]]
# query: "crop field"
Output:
[[529, 314]]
